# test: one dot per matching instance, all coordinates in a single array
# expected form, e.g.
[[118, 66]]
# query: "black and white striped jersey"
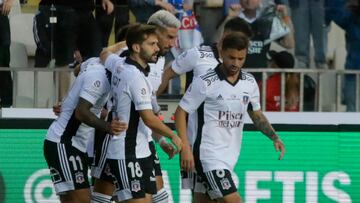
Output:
[[221, 108], [131, 92], [93, 85]]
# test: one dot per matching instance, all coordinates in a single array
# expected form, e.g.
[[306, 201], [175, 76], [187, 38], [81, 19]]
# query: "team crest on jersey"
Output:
[[135, 186], [143, 91], [225, 184], [245, 99], [79, 177]]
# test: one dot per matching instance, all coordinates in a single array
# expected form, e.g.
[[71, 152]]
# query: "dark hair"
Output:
[[235, 40], [138, 33], [121, 33], [238, 24], [354, 6]]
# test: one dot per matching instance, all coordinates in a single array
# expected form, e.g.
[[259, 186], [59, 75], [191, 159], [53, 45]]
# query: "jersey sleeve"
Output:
[[140, 93], [185, 62], [94, 87], [255, 97], [113, 61], [194, 96]]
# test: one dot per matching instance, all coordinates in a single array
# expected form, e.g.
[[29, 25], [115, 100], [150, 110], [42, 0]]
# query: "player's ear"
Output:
[[136, 48]]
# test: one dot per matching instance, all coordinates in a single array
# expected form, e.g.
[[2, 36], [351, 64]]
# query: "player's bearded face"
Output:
[[233, 60], [149, 49], [167, 40]]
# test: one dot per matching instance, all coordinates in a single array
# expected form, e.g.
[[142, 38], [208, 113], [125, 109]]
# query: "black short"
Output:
[[216, 183], [133, 178], [68, 166], [155, 158], [73, 30]]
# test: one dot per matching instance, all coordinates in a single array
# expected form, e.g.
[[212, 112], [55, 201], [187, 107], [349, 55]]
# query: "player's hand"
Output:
[[168, 148], [281, 8], [166, 6], [116, 127], [6, 7], [108, 6], [177, 142], [104, 112], [279, 146], [187, 159], [57, 109], [235, 10]]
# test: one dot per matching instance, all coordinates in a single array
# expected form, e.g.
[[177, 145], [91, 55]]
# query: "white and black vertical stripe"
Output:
[[104, 148], [123, 174], [64, 164], [212, 181]]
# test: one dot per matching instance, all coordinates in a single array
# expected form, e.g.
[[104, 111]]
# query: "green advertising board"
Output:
[[318, 167]]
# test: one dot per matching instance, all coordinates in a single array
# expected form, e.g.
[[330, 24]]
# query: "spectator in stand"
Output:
[[143, 9], [71, 27], [105, 20], [347, 16], [284, 59], [261, 20], [5, 76], [309, 20]]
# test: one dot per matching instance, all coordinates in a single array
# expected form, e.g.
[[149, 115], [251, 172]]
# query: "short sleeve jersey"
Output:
[[221, 108], [131, 93], [92, 85], [195, 62]]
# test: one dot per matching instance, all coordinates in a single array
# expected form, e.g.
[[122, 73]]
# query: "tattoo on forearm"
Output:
[[262, 124]]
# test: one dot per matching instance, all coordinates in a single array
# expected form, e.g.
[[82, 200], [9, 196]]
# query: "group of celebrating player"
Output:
[[126, 78]]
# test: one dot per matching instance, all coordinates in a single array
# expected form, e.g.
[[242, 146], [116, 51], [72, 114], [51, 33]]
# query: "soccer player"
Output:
[[67, 137], [166, 29], [194, 62], [129, 159], [221, 98]]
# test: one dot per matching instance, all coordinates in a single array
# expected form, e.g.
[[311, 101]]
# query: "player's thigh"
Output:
[[146, 199], [159, 183], [202, 198], [76, 196], [231, 198], [104, 187]]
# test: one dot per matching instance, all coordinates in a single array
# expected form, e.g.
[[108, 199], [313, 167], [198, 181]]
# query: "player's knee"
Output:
[[100, 198], [161, 196]]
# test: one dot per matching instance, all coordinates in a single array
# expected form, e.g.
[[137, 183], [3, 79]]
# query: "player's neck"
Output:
[[139, 60], [229, 77]]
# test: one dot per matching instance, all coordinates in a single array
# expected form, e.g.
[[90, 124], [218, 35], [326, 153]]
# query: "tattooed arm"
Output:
[[261, 123]]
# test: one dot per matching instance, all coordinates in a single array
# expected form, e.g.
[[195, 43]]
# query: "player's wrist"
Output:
[[162, 140], [274, 137]]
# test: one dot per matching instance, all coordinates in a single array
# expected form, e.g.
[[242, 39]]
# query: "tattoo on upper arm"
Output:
[[261, 123]]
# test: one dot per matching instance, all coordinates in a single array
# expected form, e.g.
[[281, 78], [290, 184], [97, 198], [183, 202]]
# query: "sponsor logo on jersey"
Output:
[[255, 47], [225, 184], [229, 119], [135, 186], [79, 177]]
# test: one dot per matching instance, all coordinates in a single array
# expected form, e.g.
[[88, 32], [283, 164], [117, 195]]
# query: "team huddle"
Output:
[[109, 122]]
